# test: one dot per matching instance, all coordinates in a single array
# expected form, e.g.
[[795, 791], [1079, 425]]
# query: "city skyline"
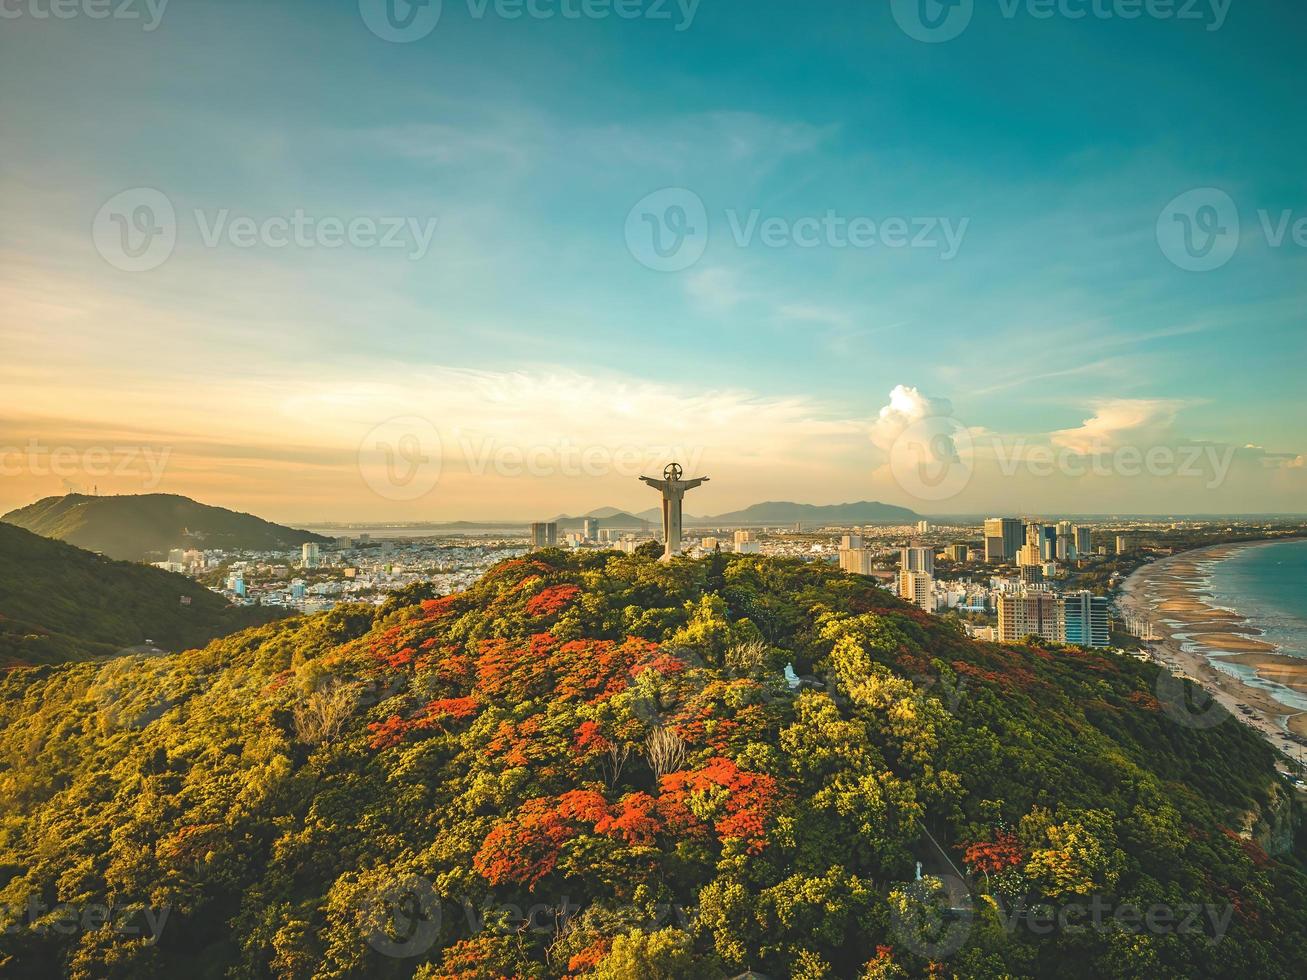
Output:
[[1043, 317]]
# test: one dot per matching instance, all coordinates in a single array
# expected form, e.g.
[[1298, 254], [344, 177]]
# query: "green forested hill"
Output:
[[145, 527], [61, 603], [590, 766]]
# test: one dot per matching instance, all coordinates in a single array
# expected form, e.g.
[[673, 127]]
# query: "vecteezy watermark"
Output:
[[136, 230], [932, 916], [1099, 915], [935, 459], [1201, 230], [149, 12], [402, 919], [667, 231], [66, 919], [485, 455], [405, 21], [35, 459], [937, 21], [1188, 703], [400, 459]]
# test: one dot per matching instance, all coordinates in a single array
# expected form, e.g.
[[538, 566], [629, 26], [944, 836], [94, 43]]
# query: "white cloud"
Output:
[[1121, 421], [907, 406]]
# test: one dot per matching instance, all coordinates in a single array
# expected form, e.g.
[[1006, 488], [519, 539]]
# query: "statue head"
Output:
[[672, 472]]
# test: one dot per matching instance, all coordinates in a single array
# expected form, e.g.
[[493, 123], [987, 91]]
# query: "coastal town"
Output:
[[1134, 586]]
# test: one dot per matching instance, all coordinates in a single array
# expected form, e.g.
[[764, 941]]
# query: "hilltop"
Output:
[[145, 527], [58, 603], [608, 743]]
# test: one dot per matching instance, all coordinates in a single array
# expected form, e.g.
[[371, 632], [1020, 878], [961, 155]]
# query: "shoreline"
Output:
[[1172, 594]]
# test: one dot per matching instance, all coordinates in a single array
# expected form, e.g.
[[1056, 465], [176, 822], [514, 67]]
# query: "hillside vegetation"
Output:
[[592, 766], [61, 603], [144, 527]]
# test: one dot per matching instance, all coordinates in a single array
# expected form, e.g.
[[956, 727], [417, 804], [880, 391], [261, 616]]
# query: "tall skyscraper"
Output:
[[958, 552], [309, 554], [1085, 617], [1124, 544], [1003, 536], [1065, 546], [544, 534], [849, 541], [923, 527], [590, 528], [1084, 540], [1030, 554], [917, 559]]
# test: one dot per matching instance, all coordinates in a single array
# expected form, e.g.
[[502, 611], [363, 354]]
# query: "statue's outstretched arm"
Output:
[[656, 484], [691, 484]]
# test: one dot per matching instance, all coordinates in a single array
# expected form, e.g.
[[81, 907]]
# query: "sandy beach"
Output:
[[1171, 594]]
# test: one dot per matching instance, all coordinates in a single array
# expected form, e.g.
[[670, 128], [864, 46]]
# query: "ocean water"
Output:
[[1267, 584]]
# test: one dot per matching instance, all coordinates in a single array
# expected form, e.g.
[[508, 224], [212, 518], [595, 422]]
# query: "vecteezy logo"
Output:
[[401, 21], [932, 458], [1199, 230], [402, 920], [400, 458], [932, 915], [136, 230], [667, 231], [1186, 703], [933, 21]]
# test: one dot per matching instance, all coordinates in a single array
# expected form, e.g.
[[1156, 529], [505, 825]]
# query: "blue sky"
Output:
[[1055, 144]]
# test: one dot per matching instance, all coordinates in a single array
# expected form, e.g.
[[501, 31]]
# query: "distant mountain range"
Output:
[[60, 603], [771, 512], [145, 527]]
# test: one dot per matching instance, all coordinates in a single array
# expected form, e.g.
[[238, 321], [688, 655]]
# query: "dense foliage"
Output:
[[145, 527], [60, 603], [594, 766]]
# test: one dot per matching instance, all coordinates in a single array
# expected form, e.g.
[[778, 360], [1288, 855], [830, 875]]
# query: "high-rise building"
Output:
[[1030, 613], [309, 554], [923, 527], [590, 528], [1124, 544], [544, 534], [1065, 546], [1030, 554], [1003, 537], [917, 559], [1048, 542], [850, 541], [958, 552], [1085, 618], [1084, 540], [859, 561], [918, 588]]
